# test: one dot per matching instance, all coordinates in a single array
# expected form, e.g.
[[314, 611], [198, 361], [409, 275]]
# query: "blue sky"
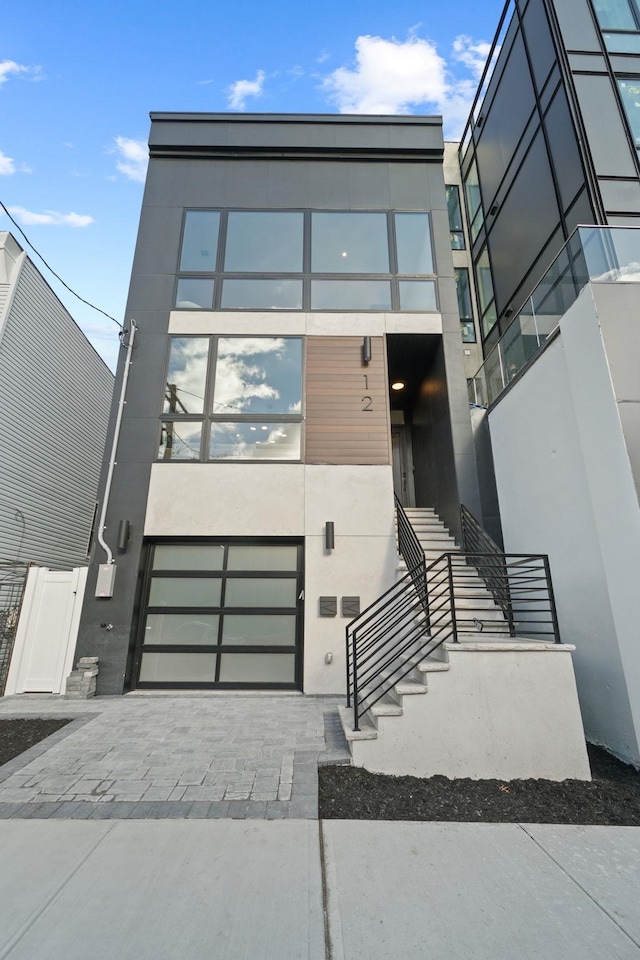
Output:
[[77, 82]]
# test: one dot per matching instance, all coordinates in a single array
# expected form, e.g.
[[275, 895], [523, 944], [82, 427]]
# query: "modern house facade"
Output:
[[288, 271], [55, 394]]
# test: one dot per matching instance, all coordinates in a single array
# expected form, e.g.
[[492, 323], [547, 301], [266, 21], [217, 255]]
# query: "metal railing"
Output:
[[391, 636], [13, 577], [457, 594], [411, 551], [513, 580], [489, 562], [590, 255]]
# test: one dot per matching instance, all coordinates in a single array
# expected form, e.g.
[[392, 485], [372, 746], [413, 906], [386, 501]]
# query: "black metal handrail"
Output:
[[394, 633], [490, 562], [411, 551], [524, 579], [405, 625]]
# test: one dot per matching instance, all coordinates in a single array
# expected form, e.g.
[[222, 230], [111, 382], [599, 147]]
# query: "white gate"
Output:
[[46, 638]]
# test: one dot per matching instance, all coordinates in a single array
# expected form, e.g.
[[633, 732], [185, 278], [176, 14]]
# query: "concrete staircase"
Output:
[[469, 589], [491, 716]]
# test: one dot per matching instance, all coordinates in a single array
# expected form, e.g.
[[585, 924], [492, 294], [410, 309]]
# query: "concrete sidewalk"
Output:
[[231, 889], [140, 831]]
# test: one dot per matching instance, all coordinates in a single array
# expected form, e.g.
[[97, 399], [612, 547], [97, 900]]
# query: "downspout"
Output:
[[114, 447]]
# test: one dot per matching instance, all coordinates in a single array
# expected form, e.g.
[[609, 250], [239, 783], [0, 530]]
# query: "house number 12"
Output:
[[367, 402]]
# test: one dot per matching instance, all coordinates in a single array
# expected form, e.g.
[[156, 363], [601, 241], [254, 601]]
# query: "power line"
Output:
[[57, 276]]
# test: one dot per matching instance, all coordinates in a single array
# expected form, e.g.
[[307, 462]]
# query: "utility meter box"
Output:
[[105, 581]]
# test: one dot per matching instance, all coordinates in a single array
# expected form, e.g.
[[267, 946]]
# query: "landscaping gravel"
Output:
[[17, 735], [611, 798]]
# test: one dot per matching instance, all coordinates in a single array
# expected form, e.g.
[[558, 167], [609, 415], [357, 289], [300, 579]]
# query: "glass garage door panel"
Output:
[[256, 592], [184, 592], [251, 668], [178, 628], [262, 558], [178, 667], [200, 556], [264, 630]]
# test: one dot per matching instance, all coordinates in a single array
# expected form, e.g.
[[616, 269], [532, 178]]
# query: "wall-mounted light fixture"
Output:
[[329, 535], [366, 349], [124, 531]]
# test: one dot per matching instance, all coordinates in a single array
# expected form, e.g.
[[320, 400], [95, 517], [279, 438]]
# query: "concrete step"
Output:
[[432, 666], [367, 729]]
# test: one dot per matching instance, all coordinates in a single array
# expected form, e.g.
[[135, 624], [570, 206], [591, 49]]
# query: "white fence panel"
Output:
[[47, 632]]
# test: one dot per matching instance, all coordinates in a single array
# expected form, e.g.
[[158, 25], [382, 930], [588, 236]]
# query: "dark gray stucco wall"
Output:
[[486, 474], [224, 161], [433, 453]]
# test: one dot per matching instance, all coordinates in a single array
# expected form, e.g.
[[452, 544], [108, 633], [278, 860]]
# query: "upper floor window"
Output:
[[266, 242], [474, 201], [232, 398], [200, 241], [455, 218], [349, 243], [484, 285], [464, 305], [617, 14], [306, 260], [630, 93]]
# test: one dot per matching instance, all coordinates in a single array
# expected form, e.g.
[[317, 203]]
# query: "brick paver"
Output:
[[190, 756]]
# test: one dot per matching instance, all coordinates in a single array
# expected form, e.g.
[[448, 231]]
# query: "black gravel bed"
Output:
[[17, 735], [611, 798]]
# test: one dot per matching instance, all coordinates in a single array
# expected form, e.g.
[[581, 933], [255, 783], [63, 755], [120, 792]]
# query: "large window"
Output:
[[485, 292], [306, 260], [233, 398], [620, 22], [455, 218], [464, 305], [221, 614], [630, 93], [616, 14], [474, 201]]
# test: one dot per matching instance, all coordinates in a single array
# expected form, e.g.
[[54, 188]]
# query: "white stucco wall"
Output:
[[292, 500], [507, 711], [271, 323], [566, 488]]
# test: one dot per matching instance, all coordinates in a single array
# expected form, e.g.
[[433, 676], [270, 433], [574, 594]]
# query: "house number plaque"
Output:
[[367, 402]]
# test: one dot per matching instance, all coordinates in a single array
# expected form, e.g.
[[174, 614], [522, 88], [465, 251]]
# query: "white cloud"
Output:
[[133, 158], [399, 76], [9, 67], [473, 54], [50, 218], [390, 76], [7, 165], [239, 92]]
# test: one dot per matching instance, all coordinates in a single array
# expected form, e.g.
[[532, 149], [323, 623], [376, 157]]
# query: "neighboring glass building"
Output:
[[552, 142], [551, 175]]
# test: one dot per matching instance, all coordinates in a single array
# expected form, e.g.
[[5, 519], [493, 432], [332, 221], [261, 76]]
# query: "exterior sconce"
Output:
[[329, 535], [123, 536], [366, 349]]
